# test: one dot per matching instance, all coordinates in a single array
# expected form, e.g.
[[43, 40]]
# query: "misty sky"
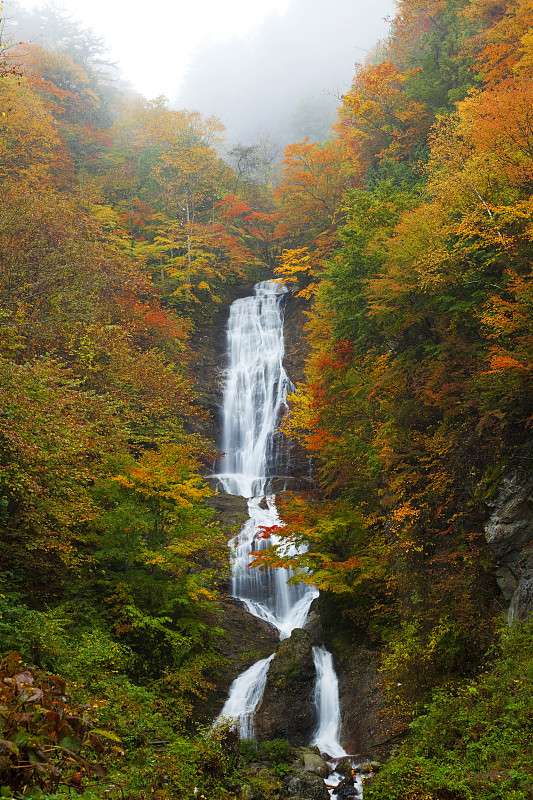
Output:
[[285, 81], [153, 41], [271, 70]]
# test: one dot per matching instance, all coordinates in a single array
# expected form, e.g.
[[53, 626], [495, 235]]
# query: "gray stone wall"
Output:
[[509, 534]]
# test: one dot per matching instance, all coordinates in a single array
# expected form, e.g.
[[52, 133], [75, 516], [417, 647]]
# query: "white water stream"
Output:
[[245, 695], [254, 399], [326, 735]]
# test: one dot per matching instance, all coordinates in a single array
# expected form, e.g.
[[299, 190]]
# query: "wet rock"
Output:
[[509, 534], [287, 710], [313, 624], [363, 727], [208, 367], [313, 761], [246, 640], [344, 767], [208, 372], [230, 509], [346, 789], [304, 786], [291, 483], [369, 767]]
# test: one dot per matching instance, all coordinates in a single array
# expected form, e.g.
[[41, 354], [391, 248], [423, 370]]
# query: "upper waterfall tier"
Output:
[[256, 390]]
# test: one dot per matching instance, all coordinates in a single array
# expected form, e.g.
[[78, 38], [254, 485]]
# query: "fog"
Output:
[[152, 42], [284, 81], [272, 84]]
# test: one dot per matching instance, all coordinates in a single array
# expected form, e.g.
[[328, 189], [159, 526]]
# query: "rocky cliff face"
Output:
[[208, 372], [287, 710], [208, 368], [299, 474], [247, 639], [509, 533], [363, 730]]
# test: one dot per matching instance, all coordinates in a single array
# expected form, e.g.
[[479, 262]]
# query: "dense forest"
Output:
[[406, 239]]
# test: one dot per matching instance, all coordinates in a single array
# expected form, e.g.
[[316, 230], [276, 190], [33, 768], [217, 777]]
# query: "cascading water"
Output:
[[256, 390], [326, 736], [267, 594], [245, 696], [254, 399]]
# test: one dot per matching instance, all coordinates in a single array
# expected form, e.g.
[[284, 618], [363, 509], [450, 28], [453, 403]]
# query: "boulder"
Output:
[[368, 767], [287, 710], [304, 786], [344, 767], [509, 534], [346, 789], [313, 762]]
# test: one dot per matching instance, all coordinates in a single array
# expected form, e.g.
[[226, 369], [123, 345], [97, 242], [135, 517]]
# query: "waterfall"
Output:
[[245, 695], [326, 736], [266, 594], [255, 392], [255, 397]]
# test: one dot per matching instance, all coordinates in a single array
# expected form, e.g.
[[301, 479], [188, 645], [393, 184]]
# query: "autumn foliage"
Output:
[[121, 230], [417, 389], [46, 739]]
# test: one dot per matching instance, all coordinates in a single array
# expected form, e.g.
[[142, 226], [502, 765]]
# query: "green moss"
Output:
[[250, 655], [277, 751]]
